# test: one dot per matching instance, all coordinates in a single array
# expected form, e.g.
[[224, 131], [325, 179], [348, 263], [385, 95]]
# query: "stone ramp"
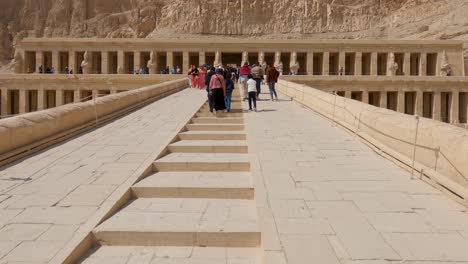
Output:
[[199, 197]]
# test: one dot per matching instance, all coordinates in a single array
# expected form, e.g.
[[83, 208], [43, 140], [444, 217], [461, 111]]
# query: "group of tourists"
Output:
[[219, 83], [251, 79]]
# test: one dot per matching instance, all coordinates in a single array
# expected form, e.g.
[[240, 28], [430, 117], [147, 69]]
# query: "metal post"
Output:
[[95, 110], [334, 108], [437, 158], [414, 146], [359, 122]]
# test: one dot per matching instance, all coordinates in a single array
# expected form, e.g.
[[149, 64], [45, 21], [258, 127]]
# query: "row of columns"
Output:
[[358, 60], [453, 111], [23, 102]]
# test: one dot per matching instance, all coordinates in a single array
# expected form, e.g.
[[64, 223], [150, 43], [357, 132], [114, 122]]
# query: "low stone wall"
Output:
[[442, 149], [115, 82], [21, 133]]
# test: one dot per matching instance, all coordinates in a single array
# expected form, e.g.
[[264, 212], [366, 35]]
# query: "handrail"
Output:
[[437, 151]]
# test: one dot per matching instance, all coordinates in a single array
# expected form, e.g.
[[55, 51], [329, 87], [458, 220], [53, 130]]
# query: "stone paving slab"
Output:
[[324, 197], [46, 197]]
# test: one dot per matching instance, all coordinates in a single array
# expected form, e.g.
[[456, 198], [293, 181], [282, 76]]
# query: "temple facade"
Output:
[[409, 76], [303, 57]]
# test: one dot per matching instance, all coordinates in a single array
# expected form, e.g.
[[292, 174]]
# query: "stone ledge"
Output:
[[21, 134]]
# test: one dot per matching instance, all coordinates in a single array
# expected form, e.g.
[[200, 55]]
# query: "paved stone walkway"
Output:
[[48, 196], [325, 197]]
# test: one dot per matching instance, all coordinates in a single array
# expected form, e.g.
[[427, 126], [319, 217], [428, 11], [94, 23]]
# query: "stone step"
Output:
[[234, 109], [209, 146], [212, 135], [215, 185], [182, 222], [202, 162], [214, 120], [219, 115], [173, 255], [215, 127]]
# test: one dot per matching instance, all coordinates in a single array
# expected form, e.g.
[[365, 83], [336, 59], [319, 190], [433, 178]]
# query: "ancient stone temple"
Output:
[[361, 158], [404, 76]]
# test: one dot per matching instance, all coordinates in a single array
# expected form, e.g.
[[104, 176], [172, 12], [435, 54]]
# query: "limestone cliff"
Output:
[[434, 19]]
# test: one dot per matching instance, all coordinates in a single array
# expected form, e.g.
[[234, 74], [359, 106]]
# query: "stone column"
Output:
[[419, 103], [358, 64], [22, 101], [407, 64], [72, 61], [437, 113], [40, 99], [347, 94], [202, 57], [76, 96], [454, 108], [95, 94], [383, 99], [120, 62], [326, 63], [105, 62], [170, 59], [113, 91], [55, 61], [4, 102], [58, 97], [342, 62], [310, 63], [136, 60], [401, 101], [365, 97], [39, 61], [373, 69], [423, 64], [185, 62]]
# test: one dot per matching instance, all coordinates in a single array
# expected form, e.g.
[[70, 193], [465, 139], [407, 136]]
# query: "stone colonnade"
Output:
[[20, 101], [446, 106], [310, 63]]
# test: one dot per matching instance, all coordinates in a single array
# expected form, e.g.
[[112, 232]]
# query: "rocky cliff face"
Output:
[[433, 19]]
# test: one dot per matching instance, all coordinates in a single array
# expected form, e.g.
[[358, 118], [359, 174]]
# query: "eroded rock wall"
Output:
[[237, 18]]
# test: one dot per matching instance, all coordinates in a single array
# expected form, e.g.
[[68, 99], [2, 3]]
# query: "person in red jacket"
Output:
[[244, 73]]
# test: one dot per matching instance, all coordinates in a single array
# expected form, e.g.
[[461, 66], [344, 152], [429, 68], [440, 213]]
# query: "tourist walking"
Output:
[[194, 74], [229, 88], [257, 73], [201, 77], [272, 75], [208, 76], [252, 90], [217, 90], [244, 73]]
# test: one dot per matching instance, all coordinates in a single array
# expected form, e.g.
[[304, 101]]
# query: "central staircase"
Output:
[[196, 207]]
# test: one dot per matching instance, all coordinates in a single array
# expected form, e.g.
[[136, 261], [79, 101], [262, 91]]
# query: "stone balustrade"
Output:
[[441, 148], [442, 99], [24, 93], [34, 130]]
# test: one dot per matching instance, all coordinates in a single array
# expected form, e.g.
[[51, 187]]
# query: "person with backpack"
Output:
[[257, 73], [218, 90], [209, 74], [272, 75], [229, 89]]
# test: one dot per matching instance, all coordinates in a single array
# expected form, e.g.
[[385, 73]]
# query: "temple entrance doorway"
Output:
[[232, 59]]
